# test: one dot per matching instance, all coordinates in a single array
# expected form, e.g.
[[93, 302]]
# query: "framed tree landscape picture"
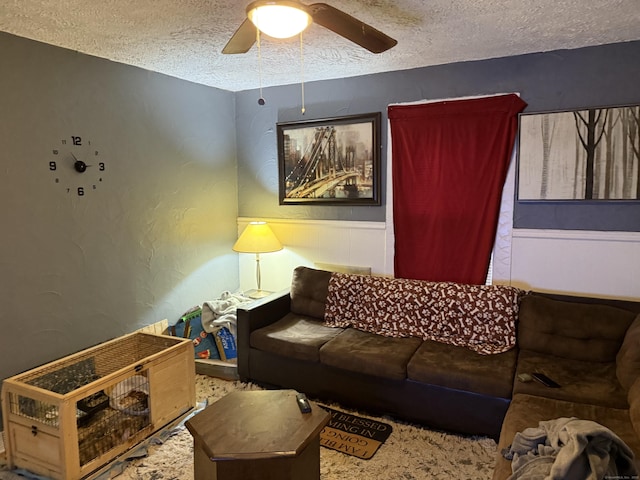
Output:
[[333, 161], [591, 154]]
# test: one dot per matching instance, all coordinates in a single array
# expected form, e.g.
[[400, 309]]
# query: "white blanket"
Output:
[[222, 312], [570, 448]]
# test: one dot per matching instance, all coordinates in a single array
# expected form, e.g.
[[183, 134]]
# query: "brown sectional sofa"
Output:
[[590, 346], [593, 351]]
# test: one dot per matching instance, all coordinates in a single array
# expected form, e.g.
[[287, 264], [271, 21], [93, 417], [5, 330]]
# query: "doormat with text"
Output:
[[357, 436]]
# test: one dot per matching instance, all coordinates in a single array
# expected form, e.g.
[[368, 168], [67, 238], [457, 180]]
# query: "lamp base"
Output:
[[257, 293]]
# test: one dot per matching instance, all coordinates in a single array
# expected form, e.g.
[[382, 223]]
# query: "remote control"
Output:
[[303, 403], [544, 380]]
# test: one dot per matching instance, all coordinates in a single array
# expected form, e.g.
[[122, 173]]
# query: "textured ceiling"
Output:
[[184, 38]]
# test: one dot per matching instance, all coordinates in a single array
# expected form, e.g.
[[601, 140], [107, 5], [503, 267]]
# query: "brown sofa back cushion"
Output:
[[628, 358], [634, 405], [309, 291], [580, 331]]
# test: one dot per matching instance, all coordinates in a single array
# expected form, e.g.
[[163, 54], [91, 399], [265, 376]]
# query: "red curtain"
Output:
[[450, 161]]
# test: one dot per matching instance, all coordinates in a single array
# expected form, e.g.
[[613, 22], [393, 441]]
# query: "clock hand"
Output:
[[79, 165]]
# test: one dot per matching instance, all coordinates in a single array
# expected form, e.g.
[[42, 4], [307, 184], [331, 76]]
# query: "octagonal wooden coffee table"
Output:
[[257, 435]]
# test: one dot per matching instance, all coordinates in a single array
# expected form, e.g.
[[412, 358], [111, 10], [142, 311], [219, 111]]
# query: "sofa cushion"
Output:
[[580, 381], [628, 358], [309, 291], [528, 410], [566, 329], [634, 405], [462, 369], [370, 354], [294, 336]]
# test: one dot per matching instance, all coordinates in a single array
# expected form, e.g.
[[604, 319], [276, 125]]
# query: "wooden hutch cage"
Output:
[[70, 417]]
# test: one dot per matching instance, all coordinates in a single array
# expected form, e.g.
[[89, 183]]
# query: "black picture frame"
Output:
[[582, 155], [330, 161]]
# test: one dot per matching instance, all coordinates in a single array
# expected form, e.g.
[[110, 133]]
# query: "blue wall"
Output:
[[558, 80], [152, 240]]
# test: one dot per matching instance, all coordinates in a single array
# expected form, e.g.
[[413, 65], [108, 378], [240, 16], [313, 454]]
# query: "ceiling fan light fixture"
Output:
[[279, 18]]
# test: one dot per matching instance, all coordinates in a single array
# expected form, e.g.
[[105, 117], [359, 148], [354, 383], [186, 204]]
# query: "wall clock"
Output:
[[77, 165]]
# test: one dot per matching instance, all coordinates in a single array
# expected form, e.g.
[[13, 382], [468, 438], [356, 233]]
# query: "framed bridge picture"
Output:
[[331, 161]]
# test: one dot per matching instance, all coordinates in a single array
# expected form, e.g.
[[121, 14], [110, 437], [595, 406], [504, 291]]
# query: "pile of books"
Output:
[[216, 345]]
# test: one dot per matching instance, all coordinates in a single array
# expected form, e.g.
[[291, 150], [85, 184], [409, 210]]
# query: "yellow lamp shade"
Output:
[[257, 237]]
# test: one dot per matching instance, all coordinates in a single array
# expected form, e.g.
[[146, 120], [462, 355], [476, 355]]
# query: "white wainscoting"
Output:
[[306, 242], [603, 264]]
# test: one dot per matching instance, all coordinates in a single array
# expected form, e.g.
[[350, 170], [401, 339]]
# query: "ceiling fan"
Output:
[[295, 17]]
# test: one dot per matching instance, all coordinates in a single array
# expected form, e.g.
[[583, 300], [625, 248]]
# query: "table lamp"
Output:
[[257, 238]]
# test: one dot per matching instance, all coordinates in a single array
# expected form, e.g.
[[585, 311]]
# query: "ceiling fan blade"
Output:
[[243, 38], [350, 28]]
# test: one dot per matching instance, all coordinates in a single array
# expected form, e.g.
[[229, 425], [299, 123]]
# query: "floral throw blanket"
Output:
[[479, 317]]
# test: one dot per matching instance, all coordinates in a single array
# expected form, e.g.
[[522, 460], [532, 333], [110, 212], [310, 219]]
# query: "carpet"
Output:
[[410, 453], [357, 436]]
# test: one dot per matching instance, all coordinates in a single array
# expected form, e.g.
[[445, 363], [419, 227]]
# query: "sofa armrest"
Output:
[[257, 315]]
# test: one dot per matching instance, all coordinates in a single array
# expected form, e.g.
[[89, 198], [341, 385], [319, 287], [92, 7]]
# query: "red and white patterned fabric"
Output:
[[479, 317]]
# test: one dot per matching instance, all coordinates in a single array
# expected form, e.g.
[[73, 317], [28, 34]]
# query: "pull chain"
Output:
[[261, 99], [302, 72]]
